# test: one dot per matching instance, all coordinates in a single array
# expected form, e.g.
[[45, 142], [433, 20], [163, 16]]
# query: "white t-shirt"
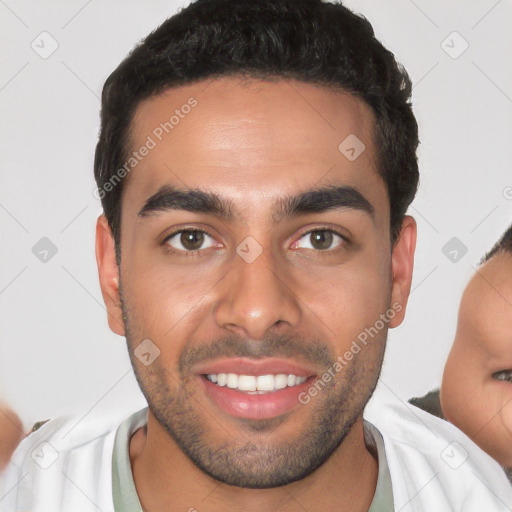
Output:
[[425, 465]]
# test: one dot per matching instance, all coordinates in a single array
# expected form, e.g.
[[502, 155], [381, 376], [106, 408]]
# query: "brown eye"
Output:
[[189, 240], [320, 240]]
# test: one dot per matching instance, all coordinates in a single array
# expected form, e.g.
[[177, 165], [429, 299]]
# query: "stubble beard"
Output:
[[252, 459]]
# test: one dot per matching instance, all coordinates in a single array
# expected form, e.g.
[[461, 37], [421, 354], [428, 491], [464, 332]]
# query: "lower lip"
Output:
[[255, 407]]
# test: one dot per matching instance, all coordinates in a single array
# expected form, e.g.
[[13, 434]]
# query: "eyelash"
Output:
[[182, 252], [192, 253]]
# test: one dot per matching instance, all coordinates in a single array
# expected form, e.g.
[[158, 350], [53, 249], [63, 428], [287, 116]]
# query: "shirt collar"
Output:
[[125, 496]]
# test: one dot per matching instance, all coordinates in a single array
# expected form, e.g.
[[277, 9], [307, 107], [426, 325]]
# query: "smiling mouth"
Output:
[[255, 385], [503, 375]]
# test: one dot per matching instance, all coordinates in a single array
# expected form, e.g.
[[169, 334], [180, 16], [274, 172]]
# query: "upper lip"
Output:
[[256, 367]]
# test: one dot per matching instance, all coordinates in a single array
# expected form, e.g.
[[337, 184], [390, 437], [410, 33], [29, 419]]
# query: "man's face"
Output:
[[251, 283]]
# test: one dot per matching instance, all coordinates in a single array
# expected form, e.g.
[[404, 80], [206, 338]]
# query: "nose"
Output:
[[255, 297]]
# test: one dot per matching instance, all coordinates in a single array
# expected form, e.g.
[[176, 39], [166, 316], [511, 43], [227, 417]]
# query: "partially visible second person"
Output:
[[11, 433], [476, 391]]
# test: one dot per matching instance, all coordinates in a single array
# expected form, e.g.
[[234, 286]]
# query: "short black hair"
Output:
[[307, 40], [504, 244]]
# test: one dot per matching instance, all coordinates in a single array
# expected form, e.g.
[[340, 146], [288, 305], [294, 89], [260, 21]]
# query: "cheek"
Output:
[[495, 436], [155, 278], [348, 298], [506, 415], [164, 300]]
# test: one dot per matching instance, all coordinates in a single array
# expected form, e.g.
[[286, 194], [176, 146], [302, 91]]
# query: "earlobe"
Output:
[[402, 263], [108, 272]]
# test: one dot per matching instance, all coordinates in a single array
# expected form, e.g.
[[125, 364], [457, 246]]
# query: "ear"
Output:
[[402, 263], [108, 272]]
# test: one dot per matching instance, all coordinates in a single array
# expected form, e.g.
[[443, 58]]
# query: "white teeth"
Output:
[[253, 384], [281, 381], [232, 380], [247, 383], [265, 383]]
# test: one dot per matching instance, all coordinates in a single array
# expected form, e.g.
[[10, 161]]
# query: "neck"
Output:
[[165, 478]]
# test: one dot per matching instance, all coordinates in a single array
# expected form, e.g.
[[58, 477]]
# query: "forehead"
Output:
[[237, 137], [487, 300], [493, 281]]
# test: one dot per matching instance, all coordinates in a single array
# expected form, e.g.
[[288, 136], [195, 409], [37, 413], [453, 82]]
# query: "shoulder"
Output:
[[66, 460], [433, 464]]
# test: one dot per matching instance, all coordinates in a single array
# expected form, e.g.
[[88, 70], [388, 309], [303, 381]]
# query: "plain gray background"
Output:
[[57, 354]]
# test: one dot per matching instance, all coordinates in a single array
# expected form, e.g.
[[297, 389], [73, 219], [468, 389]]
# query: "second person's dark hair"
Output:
[[504, 244]]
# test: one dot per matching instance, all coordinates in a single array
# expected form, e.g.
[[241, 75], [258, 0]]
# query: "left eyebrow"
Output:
[[169, 198], [321, 200]]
